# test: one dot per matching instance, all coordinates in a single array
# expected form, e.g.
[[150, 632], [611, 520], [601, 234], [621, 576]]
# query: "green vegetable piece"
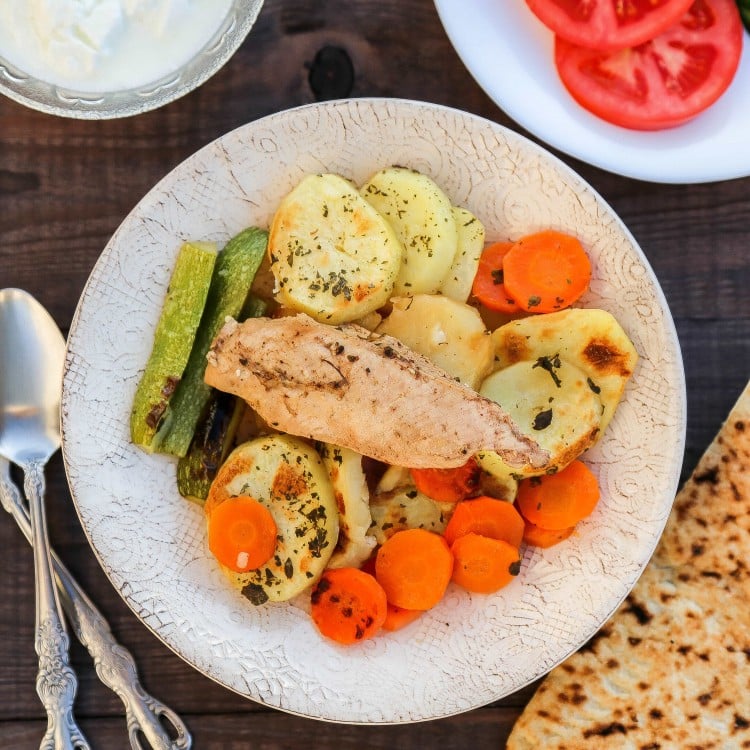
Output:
[[214, 438], [254, 307], [235, 270], [173, 340], [744, 6]]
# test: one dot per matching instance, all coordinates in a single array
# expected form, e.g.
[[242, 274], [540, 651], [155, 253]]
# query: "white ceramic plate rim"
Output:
[[509, 53], [454, 659]]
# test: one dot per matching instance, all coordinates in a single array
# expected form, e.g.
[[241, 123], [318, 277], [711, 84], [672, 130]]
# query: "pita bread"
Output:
[[671, 669]]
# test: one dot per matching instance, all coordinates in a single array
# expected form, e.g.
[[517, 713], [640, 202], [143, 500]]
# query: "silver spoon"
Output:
[[31, 360], [114, 664], [32, 351]]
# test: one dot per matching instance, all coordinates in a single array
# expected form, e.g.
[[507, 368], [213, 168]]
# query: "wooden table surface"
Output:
[[65, 185]]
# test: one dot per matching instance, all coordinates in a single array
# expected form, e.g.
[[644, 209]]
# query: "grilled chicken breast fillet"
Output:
[[364, 391]]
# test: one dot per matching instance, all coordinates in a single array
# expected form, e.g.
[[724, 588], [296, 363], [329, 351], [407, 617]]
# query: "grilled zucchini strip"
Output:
[[213, 440], [173, 341], [234, 273]]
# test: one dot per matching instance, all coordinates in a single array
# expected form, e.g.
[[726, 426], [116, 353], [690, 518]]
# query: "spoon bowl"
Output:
[[33, 352]]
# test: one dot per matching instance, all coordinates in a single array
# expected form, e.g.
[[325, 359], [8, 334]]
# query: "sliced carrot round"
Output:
[[536, 536], [241, 533], [489, 287], [483, 565], [398, 617], [546, 271], [559, 501], [448, 485], [414, 567], [487, 516], [348, 605]]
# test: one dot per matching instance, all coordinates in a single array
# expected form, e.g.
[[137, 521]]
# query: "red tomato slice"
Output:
[[663, 82], [608, 24]]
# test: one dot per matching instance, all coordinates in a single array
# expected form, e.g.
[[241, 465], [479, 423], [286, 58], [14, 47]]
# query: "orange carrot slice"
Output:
[[414, 567], [536, 536], [559, 501], [398, 617], [348, 605], [448, 485], [488, 285], [483, 565], [546, 271], [487, 516], [241, 533]]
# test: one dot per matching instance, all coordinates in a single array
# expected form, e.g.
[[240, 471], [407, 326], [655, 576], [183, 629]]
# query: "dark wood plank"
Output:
[[484, 729], [66, 185]]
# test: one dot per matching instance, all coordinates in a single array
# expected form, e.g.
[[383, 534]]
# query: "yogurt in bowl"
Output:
[[100, 59], [106, 45]]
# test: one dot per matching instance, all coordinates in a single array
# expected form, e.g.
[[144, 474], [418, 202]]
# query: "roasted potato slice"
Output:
[[422, 217], [393, 477], [333, 256], [407, 508], [449, 333], [497, 478], [355, 544], [590, 339], [460, 277], [551, 401], [287, 476]]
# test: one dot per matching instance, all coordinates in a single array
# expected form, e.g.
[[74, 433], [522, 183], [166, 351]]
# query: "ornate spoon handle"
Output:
[[116, 668], [114, 663], [56, 682]]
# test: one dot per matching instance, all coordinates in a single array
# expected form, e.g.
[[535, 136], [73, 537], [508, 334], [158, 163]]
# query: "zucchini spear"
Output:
[[173, 340], [233, 275], [216, 431], [744, 6], [213, 440]]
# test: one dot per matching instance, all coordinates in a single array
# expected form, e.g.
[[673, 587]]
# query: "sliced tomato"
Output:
[[665, 81], [608, 24]]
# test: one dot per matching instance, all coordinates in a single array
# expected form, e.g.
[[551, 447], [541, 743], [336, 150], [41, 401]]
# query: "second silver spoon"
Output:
[[32, 351], [145, 715]]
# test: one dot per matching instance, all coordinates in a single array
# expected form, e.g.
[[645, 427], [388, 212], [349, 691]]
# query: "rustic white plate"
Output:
[[469, 650], [509, 53]]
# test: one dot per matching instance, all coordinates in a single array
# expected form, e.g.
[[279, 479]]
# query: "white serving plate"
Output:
[[469, 650], [509, 53]]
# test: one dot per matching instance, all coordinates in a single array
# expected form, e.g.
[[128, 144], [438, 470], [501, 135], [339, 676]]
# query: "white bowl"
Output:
[[65, 102], [470, 649]]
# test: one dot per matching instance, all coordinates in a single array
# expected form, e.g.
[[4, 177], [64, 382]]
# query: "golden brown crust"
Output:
[[671, 669]]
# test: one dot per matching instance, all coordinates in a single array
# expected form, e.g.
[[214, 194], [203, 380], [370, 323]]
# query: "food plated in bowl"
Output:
[[153, 543], [111, 58]]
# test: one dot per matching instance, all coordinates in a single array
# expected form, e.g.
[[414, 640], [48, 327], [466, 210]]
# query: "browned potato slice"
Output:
[[550, 400], [287, 476], [460, 277], [590, 339], [333, 256], [344, 468], [407, 508], [449, 333], [422, 217]]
